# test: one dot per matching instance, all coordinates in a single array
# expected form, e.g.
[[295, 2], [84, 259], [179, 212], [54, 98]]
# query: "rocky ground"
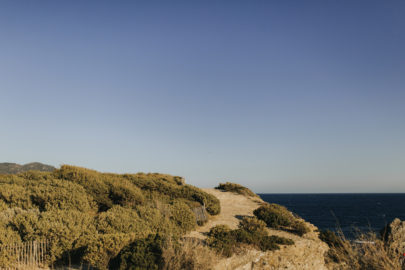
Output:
[[307, 252]]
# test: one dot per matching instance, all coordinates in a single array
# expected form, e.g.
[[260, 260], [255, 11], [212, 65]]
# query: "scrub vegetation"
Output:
[[369, 252], [236, 188], [278, 217], [98, 218], [251, 232]]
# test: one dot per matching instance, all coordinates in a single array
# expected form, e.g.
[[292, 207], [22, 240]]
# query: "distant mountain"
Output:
[[12, 168]]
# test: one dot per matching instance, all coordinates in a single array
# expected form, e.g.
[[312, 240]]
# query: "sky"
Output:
[[279, 96]]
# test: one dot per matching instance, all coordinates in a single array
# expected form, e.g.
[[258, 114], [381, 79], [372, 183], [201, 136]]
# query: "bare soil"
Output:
[[233, 208]]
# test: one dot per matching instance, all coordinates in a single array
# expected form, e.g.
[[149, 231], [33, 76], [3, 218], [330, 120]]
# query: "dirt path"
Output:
[[233, 207], [307, 253]]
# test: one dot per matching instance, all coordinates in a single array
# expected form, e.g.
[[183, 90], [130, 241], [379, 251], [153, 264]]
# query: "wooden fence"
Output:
[[200, 214], [27, 255]]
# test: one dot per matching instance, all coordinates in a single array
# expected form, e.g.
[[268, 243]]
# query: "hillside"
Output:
[[143, 221], [13, 168], [96, 218], [307, 252], [93, 220]]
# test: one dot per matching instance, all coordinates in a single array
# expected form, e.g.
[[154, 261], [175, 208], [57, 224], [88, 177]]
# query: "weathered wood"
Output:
[[25, 255], [200, 214]]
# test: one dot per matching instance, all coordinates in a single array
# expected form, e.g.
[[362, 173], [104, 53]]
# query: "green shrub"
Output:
[[300, 228], [222, 239], [252, 224], [160, 184], [36, 175], [89, 216], [120, 219], [57, 194], [66, 231], [275, 216], [8, 235], [280, 240], [278, 217], [330, 238], [251, 231], [182, 216], [142, 254], [104, 247], [3, 206], [15, 195], [236, 188], [93, 182], [267, 243], [24, 222], [124, 193]]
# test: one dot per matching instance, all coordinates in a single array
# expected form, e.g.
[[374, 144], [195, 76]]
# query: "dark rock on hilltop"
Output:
[[13, 168]]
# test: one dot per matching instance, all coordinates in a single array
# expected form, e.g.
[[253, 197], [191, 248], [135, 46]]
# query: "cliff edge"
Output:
[[307, 252]]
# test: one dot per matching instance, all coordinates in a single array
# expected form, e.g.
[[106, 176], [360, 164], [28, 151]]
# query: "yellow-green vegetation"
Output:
[[236, 188], [372, 254], [141, 254], [89, 217], [278, 217], [251, 232]]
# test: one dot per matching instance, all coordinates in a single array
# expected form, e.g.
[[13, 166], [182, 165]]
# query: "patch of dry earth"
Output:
[[306, 254], [233, 207]]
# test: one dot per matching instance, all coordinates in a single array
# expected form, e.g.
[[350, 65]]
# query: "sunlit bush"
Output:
[[278, 217], [251, 232], [89, 216], [236, 188]]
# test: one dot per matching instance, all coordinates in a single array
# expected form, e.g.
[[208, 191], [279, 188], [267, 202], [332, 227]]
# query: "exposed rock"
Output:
[[306, 254]]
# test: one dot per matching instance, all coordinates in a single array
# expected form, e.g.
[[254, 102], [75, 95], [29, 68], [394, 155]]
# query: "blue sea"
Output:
[[349, 212]]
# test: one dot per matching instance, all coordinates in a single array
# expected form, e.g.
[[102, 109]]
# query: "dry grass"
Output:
[[371, 254], [192, 254]]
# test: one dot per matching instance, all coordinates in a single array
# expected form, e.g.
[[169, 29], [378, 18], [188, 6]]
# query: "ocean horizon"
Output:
[[349, 212]]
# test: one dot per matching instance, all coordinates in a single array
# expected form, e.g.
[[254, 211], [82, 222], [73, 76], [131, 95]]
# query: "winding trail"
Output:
[[307, 253], [233, 207]]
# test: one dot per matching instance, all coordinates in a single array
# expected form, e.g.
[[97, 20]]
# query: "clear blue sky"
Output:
[[280, 96]]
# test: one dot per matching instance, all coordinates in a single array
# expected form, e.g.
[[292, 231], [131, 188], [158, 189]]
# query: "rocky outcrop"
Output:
[[307, 253]]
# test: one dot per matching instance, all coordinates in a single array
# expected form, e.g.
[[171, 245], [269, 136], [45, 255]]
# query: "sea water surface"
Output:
[[349, 212]]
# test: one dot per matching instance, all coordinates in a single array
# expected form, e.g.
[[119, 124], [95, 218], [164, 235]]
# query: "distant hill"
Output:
[[12, 168]]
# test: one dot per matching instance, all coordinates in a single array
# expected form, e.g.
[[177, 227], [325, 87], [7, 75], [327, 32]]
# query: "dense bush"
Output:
[[124, 193], [222, 239], [251, 231], [275, 216], [163, 185], [142, 254], [67, 231], [89, 216], [104, 247], [182, 215], [278, 217], [236, 188], [93, 182], [252, 224]]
